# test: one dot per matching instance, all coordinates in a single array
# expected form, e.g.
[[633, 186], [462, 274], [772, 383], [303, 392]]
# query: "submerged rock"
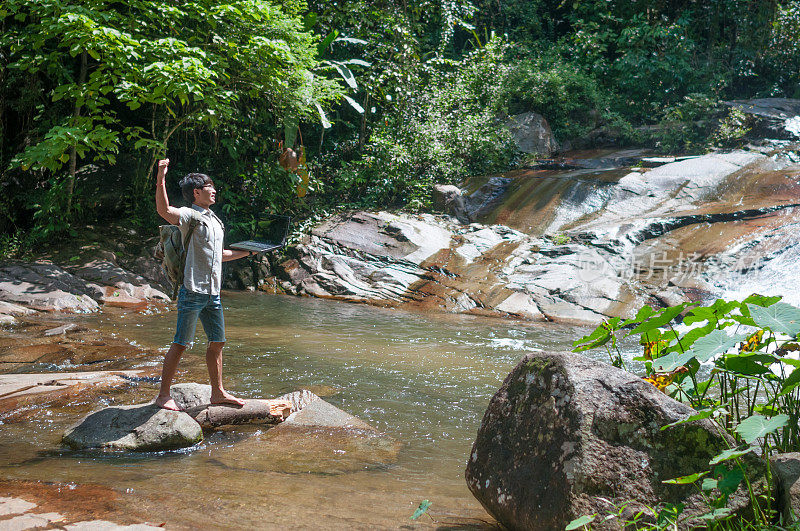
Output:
[[319, 438], [139, 428], [565, 431]]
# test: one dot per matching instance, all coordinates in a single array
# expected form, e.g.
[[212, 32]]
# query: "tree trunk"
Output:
[[72, 152]]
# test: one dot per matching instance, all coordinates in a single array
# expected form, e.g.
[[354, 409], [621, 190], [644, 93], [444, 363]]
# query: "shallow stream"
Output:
[[424, 379]]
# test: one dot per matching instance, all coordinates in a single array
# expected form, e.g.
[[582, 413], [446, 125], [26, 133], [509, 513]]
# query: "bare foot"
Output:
[[166, 402], [224, 398]]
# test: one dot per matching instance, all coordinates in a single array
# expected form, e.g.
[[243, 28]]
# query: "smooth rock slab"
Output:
[[14, 506], [565, 431], [141, 428], [30, 521]]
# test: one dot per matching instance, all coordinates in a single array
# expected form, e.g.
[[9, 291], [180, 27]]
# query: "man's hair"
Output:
[[192, 182]]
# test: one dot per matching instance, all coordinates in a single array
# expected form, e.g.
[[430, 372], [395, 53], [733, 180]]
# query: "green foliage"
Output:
[[444, 133], [731, 130], [570, 99], [752, 389]]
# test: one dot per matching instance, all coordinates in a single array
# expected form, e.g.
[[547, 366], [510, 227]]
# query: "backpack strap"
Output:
[[193, 222]]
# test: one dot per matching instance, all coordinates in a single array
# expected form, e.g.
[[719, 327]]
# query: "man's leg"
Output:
[[188, 309], [171, 360], [214, 361], [214, 325]]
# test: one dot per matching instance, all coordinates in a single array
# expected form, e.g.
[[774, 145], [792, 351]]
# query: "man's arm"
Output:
[[169, 213], [230, 254]]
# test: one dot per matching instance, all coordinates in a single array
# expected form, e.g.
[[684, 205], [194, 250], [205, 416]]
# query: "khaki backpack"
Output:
[[171, 250]]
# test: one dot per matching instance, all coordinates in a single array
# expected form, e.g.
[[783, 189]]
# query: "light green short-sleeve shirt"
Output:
[[203, 272]]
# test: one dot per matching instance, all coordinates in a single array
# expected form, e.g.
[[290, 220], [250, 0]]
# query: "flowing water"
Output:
[[424, 379]]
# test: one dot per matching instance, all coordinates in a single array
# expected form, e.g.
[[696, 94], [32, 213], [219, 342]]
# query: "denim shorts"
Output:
[[208, 308]]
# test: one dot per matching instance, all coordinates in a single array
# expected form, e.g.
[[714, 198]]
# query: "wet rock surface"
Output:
[[138, 428], [318, 438], [589, 247], [29, 505], [776, 117], [43, 286], [564, 431]]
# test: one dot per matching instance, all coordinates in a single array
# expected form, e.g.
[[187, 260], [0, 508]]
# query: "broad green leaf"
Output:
[[780, 317], [358, 62], [730, 480], [422, 509], [327, 41], [708, 484], [662, 318], [686, 480], [670, 362], [715, 343], [346, 74], [643, 313], [690, 337], [792, 380], [290, 124], [597, 338], [715, 514], [580, 522], [351, 40], [755, 427], [732, 453], [749, 364]]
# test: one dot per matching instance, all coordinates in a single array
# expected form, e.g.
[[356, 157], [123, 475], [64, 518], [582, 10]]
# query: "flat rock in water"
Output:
[[566, 435], [23, 389], [142, 427]]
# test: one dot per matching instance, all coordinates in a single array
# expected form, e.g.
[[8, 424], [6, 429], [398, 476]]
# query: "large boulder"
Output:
[[141, 427], [449, 199], [566, 435], [532, 134]]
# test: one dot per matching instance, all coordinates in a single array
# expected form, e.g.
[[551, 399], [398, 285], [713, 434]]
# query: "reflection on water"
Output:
[[424, 379]]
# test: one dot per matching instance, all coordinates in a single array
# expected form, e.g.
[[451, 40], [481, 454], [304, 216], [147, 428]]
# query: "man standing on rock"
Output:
[[198, 297]]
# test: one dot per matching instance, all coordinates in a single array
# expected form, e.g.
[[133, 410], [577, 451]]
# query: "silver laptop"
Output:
[[270, 235]]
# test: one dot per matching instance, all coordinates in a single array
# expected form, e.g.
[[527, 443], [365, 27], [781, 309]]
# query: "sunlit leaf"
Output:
[[756, 426], [580, 522], [686, 480], [732, 453], [780, 317], [354, 104], [323, 118]]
